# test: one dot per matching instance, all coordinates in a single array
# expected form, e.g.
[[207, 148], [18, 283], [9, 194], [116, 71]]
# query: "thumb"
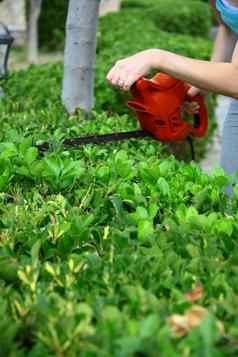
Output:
[[193, 91]]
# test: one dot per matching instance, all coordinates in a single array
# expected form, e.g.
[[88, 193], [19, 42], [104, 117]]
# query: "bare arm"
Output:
[[222, 52], [224, 45], [219, 76]]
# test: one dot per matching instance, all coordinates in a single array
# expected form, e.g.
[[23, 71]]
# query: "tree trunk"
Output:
[[34, 14], [80, 55]]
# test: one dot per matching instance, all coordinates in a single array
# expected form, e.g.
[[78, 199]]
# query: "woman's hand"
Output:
[[193, 107], [127, 71]]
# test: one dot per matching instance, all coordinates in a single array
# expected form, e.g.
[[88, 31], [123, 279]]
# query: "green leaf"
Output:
[[52, 167], [31, 155], [140, 214], [192, 250], [166, 167], [35, 250], [149, 326], [129, 345], [163, 186], [8, 269], [103, 173], [123, 164], [225, 226], [145, 229]]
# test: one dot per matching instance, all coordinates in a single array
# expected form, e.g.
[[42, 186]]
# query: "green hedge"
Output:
[[190, 17], [179, 16], [52, 24], [125, 32], [123, 39], [36, 110], [99, 245]]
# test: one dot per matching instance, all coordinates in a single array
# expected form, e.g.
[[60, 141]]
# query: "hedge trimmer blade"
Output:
[[97, 139]]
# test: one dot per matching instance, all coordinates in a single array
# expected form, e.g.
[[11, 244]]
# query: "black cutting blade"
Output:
[[97, 139]]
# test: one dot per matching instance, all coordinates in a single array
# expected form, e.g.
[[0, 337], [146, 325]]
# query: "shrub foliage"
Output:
[[99, 246], [179, 16]]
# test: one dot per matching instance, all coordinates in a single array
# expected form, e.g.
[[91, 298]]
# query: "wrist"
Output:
[[156, 58]]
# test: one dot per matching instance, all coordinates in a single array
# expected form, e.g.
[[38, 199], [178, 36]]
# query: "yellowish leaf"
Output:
[[181, 325], [195, 316], [178, 325], [106, 233]]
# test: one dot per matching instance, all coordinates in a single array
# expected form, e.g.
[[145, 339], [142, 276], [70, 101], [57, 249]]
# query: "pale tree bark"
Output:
[[80, 55], [34, 14]]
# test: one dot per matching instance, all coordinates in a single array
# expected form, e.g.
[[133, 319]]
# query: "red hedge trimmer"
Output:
[[158, 104]]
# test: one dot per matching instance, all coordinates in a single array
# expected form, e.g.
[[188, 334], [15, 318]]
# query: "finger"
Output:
[[193, 91], [195, 106], [120, 83], [116, 78], [191, 108], [192, 111], [128, 83], [111, 74], [122, 79], [131, 76], [126, 87]]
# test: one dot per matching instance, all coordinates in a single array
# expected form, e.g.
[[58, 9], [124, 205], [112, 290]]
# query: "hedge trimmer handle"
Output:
[[201, 119]]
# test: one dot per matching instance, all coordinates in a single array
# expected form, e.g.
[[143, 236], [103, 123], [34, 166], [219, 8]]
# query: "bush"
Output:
[[129, 39], [190, 17], [99, 245], [52, 24], [179, 16], [126, 33]]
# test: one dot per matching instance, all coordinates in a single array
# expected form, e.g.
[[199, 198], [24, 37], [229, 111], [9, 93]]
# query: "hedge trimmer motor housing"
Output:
[[158, 104]]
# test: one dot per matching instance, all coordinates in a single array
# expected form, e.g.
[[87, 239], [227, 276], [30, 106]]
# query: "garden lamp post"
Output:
[[6, 41]]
